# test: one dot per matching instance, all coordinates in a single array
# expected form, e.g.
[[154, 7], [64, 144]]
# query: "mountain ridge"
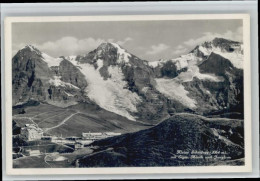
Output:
[[120, 82]]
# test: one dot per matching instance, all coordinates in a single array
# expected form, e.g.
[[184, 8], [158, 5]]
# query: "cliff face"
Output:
[[69, 73], [30, 75], [208, 79], [34, 79], [230, 93]]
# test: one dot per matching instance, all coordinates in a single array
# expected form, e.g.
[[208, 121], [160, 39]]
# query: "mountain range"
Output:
[[207, 80]]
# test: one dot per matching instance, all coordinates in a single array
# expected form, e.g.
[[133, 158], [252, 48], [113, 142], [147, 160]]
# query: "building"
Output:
[[98, 135], [93, 136], [78, 145], [73, 138], [110, 134], [47, 138], [32, 152], [31, 132]]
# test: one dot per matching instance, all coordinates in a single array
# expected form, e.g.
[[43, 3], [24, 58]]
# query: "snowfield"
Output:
[[174, 90], [109, 94]]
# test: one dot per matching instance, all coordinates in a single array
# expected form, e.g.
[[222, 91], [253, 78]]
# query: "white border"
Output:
[[129, 170]]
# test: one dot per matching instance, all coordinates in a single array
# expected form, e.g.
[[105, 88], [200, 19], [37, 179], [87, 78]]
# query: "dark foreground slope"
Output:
[[161, 145]]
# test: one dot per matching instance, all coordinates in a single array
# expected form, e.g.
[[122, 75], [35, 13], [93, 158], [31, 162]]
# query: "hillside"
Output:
[[82, 117], [162, 145]]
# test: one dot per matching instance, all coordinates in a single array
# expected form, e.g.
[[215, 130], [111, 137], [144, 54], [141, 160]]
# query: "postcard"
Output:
[[128, 94]]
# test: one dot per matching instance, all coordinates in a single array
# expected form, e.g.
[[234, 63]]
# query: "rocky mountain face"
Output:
[[29, 74], [182, 140], [210, 76], [37, 76], [208, 79]]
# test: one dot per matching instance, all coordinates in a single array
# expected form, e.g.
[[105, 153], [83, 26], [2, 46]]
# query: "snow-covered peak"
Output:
[[122, 54], [50, 60], [104, 45], [222, 41], [222, 44], [31, 48], [228, 49]]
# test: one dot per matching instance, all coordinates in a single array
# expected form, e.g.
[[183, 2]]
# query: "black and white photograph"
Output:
[[129, 92]]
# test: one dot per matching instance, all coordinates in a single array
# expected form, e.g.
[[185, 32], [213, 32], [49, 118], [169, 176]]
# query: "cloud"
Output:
[[208, 36], [155, 49], [124, 41], [70, 45], [179, 50], [17, 47]]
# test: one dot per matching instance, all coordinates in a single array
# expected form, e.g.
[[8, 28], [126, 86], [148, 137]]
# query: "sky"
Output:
[[148, 40]]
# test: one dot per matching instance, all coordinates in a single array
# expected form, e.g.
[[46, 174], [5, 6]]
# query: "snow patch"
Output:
[[185, 61], [71, 58], [204, 50], [154, 64], [235, 58], [30, 47], [193, 70], [56, 81], [157, 63], [123, 56], [68, 94], [208, 92], [50, 60], [19, 103], [99, 63]]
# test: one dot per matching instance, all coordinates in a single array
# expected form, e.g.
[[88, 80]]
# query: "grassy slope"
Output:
[[91, 118]]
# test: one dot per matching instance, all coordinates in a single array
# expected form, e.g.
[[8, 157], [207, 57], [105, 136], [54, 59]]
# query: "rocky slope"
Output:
[[206, 80]]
